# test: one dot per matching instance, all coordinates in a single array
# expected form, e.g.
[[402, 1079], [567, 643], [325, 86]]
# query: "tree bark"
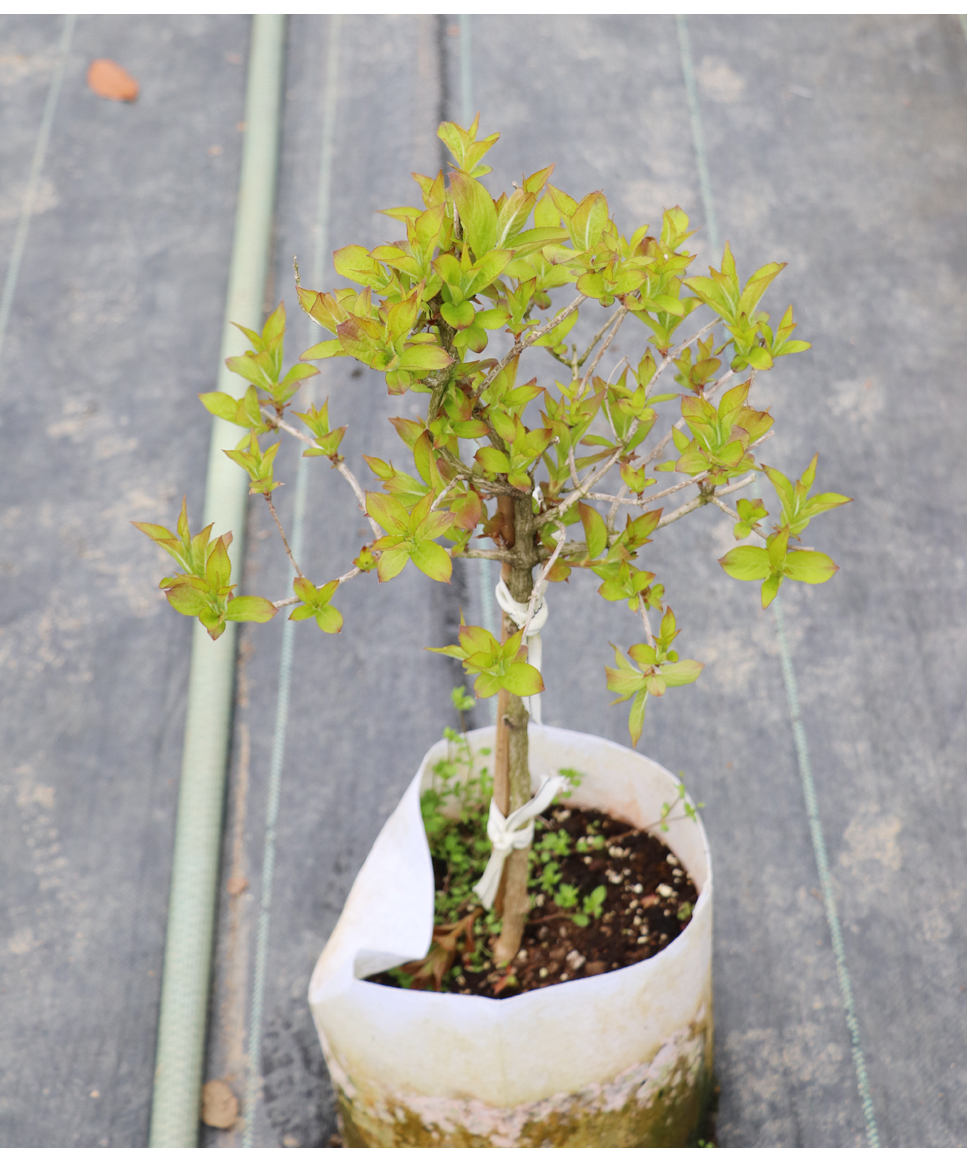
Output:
[[516, 901], [501, 792], [512, 735]]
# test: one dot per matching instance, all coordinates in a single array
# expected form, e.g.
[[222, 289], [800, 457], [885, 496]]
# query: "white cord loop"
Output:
[[517, 612], [513, 832]]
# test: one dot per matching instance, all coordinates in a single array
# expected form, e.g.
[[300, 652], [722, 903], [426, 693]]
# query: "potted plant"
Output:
[[508, 971]]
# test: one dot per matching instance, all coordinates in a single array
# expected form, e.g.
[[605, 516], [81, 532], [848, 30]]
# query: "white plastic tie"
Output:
[[517, 612], [513, 832]]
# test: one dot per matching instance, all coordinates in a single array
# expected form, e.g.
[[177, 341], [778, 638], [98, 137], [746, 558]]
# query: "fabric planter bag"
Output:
[[619, 1059]]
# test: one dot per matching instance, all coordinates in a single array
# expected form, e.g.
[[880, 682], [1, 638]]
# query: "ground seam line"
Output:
[[33, 180], [788, 673], [698, 135], [321, 231], [825, 879]]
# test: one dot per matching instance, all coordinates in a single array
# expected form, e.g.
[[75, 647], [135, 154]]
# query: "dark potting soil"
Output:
[[648, 901]]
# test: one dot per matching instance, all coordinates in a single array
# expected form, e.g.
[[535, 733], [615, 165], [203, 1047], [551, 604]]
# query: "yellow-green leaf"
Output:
[[258, 609], [595, 530], [432, 559], [522, 679], [746, 563], [809, 566]]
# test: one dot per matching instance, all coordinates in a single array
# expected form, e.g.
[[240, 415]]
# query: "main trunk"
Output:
[[512, 787]]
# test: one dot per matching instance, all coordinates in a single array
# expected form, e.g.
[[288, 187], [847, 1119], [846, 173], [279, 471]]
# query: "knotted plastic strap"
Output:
[[517, 612], [515, 830]]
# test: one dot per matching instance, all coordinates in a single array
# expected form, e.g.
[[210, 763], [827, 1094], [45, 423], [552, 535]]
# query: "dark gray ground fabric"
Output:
[[115, 328], [365, 704], [836, 144]]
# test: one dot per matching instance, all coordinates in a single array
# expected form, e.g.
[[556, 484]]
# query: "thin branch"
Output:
[[658, 448], [575, 475], [613, 511], [674, 488], [338, 464], [593, 478], [646, 500], [455, 463], [583, 487], [582, 490], [618, 319], [526, 341], [613, 839], [537, 592], [588, 483], [436, 398], [276, 422], [360, 495], [548, 919], [725, 508], [736, 485], [696, 502], [706, 498], [577, 546], [673, 354], [278, 525], [623, 359], [712, 388], [295, 600], [607, 412], [562, 359], [479, 482], [442, 494], [643, 610], [591, 346], [494, 487], [569, 549], [620, 498]]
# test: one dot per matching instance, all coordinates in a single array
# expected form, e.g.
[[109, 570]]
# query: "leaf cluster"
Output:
[[261, 367], [498, 666], [777, 561], [446, 311], [202, 589], [660, 667]]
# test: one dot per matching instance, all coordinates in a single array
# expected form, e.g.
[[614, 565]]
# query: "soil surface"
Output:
[[648, 902]]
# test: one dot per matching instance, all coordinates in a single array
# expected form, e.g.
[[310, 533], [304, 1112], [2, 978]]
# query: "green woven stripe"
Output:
[[194, 879]]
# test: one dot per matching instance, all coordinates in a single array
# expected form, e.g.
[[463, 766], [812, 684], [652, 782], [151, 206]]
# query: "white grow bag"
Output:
[[619, 1059]]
